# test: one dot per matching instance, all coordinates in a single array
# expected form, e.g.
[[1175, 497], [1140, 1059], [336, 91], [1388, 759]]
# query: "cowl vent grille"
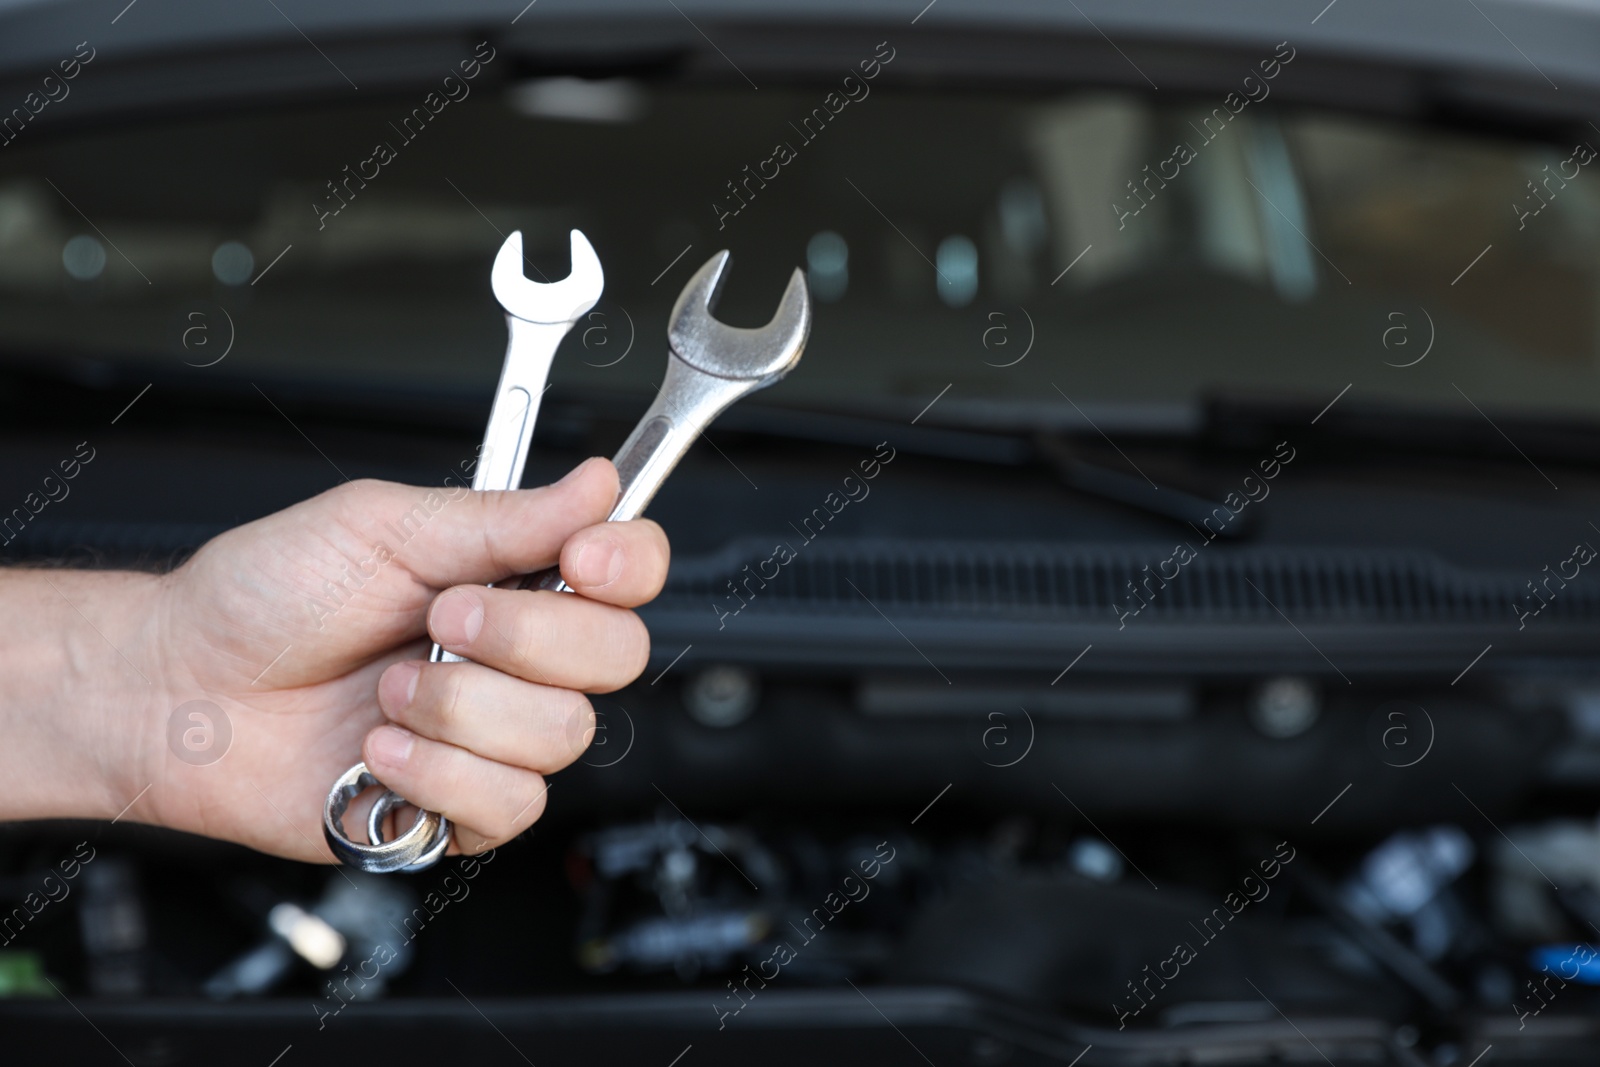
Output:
[[1034, 581], [1021, 581]]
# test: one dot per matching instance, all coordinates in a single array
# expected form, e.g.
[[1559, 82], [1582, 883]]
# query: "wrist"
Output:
[[81, 691]]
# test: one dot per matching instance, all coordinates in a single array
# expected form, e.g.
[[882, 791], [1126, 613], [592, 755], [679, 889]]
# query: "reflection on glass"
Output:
[[1022, 218], [957, 264], [84, 257], [827, 265], [232, 263]]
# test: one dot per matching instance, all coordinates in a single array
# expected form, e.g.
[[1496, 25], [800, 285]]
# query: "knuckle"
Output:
[[474, 839], [451, 700], [472, 843], [577, 727], [662, 542], [528, 630], [356, 488], [502, 828], [632, 647], [534, 810], [659, 559], [355, 494], [495, 517], [512, 822], [347, 500]]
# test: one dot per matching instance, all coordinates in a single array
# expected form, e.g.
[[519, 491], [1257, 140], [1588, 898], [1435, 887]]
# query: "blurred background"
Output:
[[1309, 290]]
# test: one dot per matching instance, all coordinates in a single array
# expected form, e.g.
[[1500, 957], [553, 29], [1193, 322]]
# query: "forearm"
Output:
[[78, 682]]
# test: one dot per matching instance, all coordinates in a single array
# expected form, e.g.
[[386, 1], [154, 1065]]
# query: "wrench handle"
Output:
[[530, 348], [687, 403]]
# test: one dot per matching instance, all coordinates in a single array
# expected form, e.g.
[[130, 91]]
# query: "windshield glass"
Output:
[[1132, 256]]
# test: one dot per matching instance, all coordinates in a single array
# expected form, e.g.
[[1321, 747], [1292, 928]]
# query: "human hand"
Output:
[[307, 629]]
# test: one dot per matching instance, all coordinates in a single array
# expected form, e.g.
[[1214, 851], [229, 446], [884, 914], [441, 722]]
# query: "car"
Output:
[[1152, 624]]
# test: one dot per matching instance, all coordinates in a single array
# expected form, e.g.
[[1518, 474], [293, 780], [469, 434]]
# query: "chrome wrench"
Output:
[[538, 316], [711, 365]]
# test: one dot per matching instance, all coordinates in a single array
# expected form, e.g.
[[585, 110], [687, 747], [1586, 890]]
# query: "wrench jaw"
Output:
[[761, 355], [711, 366], [547, 302]]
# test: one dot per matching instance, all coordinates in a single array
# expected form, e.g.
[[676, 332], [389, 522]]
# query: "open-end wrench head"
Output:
[[764, 354], [547, 302]]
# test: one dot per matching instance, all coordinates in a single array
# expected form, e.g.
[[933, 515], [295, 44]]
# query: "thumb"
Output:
[[457, 537]]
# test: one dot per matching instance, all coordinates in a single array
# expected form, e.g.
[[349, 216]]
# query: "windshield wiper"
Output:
[[566, 414], [1137, 491], [1052, 450]]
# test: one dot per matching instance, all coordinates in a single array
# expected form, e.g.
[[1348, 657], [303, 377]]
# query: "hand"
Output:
[[306, 628]]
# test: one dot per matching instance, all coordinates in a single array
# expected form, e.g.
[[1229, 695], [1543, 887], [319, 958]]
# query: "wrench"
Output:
[[711, 365], [538, 316]]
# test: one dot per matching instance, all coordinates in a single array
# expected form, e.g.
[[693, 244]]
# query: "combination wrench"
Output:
[[538, 316], [710, 366]]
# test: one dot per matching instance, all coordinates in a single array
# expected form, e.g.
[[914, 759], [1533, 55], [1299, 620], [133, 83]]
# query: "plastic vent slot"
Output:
[[1036, 580]]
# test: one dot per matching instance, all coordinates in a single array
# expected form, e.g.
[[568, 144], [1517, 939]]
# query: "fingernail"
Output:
[[390, 746], [397, 688], [599, 562], [575, 471], [457, 617]]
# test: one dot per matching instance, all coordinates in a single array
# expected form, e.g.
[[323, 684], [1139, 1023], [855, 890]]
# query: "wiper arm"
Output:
[[1136, 491], [1001, 449], [938, 442]]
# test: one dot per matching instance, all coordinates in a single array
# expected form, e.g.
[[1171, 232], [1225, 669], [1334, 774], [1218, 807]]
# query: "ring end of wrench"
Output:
[[417, 849]]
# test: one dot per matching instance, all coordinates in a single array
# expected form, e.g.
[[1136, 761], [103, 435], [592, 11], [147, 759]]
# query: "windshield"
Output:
[[1008, 253]]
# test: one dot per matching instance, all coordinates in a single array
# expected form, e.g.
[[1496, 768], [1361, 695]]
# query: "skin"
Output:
[[309, 684]]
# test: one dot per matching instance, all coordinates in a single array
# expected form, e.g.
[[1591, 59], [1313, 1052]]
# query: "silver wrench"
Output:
[[538, 316], [711, 365]]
